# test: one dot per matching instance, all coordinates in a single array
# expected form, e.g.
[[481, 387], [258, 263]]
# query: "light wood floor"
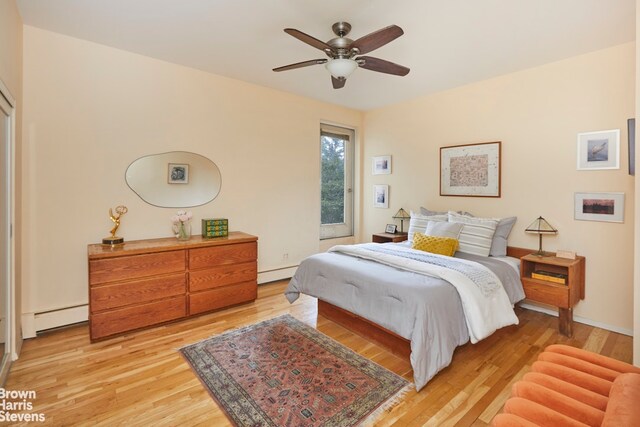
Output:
[[140, 379]]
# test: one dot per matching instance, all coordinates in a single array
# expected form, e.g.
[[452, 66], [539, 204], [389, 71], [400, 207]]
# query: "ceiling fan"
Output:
[[343, 52]]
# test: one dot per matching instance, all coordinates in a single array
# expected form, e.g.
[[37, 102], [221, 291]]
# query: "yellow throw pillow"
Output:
[[436, 245]]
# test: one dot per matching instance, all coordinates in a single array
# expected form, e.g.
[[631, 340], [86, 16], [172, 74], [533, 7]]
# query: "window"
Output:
[[336, 188]]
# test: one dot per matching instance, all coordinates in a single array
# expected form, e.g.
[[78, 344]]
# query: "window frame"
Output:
[[346, 228]]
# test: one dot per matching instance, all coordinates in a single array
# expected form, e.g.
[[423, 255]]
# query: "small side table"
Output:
[[562, 295], [388, 237]]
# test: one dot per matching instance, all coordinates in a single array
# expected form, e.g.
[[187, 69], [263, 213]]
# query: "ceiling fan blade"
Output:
[[338, 83], [300, 64], [377, 39], [312, 41], [381, 66]]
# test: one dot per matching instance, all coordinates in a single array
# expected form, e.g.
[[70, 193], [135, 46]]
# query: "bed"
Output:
[[384, 292]]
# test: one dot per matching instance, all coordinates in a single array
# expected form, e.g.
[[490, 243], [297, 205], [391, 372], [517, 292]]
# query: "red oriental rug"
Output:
[[281, 372]]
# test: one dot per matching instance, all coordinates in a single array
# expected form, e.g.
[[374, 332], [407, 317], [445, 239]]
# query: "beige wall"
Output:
[[91, 110], [11, 75], [536, 114], [11, 46]]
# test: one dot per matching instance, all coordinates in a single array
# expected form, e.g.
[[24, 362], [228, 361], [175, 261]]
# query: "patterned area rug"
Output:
[[281, 372]]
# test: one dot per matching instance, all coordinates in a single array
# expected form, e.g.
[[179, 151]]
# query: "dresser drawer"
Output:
[[137, 266], [222, 297], [222, 276], [546, 293], [221, 255], [139, 316], [136, 292]]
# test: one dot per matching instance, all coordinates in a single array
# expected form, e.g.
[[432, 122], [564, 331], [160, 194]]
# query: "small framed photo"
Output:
[[599, 150], [381, 165], [608, 207], [178, 173], [381, 196], [391, 228]]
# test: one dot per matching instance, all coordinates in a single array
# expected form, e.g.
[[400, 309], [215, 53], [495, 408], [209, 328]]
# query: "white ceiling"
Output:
[[447, 43]]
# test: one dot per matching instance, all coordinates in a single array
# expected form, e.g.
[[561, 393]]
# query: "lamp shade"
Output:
[[402, 214], [540, 225], [341, 67]]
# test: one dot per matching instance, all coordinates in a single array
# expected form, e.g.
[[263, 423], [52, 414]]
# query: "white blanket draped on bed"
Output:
[[485, 303]]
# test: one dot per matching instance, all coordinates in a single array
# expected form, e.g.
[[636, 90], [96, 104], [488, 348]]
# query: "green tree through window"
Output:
[[332, 205]]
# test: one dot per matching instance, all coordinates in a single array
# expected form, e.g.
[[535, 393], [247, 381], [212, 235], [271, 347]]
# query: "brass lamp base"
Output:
[[113, 240], [542, 253]]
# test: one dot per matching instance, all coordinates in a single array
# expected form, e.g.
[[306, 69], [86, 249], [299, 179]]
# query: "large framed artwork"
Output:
[[599, 150], [471, 170], [608, 207]]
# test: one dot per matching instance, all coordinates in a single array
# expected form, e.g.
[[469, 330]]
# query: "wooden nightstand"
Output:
[[388, 237], [546, 291]]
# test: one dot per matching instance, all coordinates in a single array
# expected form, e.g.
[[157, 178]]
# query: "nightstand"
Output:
[[388, 237], [548, 288]]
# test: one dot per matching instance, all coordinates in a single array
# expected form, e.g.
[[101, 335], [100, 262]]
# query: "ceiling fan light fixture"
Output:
[[341, 67]]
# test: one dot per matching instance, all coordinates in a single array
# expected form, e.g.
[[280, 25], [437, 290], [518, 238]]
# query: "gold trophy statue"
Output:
[[113, 239]]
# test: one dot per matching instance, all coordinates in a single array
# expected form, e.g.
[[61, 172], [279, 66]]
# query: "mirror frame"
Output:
[[149, 185]]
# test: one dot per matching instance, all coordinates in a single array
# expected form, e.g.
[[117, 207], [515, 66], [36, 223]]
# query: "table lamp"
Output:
[[402, 215], [540, 226]]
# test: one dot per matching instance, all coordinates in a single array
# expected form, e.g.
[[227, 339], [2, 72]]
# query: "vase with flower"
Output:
[[182, 225]]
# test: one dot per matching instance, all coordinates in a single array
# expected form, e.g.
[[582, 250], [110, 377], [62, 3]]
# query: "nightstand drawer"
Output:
[[546, 293]]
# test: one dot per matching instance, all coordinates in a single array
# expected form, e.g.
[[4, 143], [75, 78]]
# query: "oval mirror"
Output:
[[177, 179]]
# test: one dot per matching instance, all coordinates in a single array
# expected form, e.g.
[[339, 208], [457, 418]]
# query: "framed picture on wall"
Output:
[[599, 150], [381, 165], [608, 207], [178, 173], [381, 196], [471, 170]]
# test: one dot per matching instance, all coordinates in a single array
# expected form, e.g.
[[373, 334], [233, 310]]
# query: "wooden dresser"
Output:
[[147, 282]]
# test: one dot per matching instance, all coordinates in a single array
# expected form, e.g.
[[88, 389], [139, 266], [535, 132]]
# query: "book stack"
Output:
[[216, 227], [550, 276]]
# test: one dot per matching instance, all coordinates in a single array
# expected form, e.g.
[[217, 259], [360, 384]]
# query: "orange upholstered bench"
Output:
[[571, 387]]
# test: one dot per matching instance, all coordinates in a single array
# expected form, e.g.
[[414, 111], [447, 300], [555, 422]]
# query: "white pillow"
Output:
[[444, 229], [476, 234], [418, 223], [499, 244]]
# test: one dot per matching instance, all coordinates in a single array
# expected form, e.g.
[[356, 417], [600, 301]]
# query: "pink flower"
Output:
[[181, 217]]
